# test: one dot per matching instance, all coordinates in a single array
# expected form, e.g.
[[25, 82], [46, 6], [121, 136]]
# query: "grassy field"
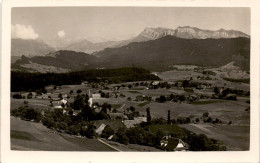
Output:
[[235, 137], [143, 104], [35, 103], [226, 111], [35, 137], [167, 129], [207, 102], [132, 147]]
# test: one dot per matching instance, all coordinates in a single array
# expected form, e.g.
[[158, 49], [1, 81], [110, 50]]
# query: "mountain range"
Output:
[[155, 55], [29, 47], [39, 48]]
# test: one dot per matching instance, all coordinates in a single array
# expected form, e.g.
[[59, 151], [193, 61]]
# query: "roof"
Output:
[[100, 129], [173, 144]]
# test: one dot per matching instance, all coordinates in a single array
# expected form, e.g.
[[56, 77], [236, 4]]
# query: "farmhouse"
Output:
[[58, 104], [173, 144], [96, 96], [155, 83]]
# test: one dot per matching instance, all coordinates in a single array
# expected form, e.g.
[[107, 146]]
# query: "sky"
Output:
[[61, 25]]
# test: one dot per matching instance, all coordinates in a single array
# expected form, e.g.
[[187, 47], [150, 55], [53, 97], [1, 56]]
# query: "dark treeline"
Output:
[[22, 81]]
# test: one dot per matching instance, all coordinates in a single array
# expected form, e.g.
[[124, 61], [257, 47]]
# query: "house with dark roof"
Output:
[[173, 144]]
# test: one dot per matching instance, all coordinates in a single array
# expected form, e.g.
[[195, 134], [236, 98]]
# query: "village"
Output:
[[192, 102]]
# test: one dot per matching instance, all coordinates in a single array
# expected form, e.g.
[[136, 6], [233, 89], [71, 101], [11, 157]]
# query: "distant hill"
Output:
[[170, 50], [60, 59], [87, 46], [24, 47]]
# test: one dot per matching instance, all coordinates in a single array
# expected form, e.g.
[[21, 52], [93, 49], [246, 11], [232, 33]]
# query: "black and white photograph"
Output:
[[147, 79]]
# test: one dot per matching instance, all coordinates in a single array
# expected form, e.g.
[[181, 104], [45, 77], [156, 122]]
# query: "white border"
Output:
[[18, 156]]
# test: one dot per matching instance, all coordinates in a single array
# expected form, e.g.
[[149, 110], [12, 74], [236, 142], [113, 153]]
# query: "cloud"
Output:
[[23, 32], [61, 33]]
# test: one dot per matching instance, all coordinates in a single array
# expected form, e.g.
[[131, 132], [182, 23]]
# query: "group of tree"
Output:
[[27, 113], [23, 81], [171, 97], [207, 119], [132, 113], [228, 93]]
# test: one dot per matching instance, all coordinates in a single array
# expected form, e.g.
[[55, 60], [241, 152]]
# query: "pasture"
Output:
[[32, 136], [235, 137]]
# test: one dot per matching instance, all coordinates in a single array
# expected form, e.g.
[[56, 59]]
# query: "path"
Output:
[[108, 145]]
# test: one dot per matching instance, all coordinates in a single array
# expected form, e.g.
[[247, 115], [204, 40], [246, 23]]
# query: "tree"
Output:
[[78, 103], [121, 136], [182, 98], [169, 117], [102, 115], [188, 120], [17, 96], [205, 114], [159, 135], [132, 108], [79, 91], [103, 95], [148, 115], [90, 132], [216, 90], [162, 99], [209, 120], [185, 83], [86, 99], [29, 96]]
